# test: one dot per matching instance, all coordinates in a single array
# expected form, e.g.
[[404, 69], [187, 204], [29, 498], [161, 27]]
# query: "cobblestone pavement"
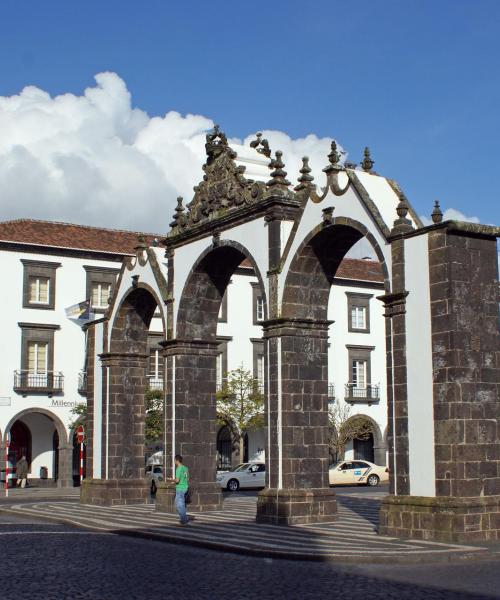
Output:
[[62, 563], [352, 537]]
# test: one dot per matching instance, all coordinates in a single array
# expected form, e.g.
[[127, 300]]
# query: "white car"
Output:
[[355, 472], [246, 475]]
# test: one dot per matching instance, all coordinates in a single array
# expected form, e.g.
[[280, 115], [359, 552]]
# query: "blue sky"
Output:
[[417, 81]]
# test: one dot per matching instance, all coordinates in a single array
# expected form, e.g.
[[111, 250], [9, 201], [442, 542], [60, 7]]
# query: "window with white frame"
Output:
[[39, 284], [101, 293], [219, 372], [358, 317], [260, 371], [38, 357], [99, 286], [39, 290], [260, 308], [359, 373], [358, 307]]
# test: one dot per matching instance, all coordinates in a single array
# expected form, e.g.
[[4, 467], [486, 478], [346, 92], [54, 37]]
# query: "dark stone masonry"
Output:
[[295, 280]]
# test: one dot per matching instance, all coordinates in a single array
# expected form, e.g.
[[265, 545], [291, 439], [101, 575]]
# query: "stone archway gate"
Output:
[[442, 336]]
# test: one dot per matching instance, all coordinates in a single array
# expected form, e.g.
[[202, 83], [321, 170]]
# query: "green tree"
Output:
[[240, 405], [79, 412], [154, 415], [344, 427]]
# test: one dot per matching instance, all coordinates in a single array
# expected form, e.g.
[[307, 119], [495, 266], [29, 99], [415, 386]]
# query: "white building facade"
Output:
[[49, 267]]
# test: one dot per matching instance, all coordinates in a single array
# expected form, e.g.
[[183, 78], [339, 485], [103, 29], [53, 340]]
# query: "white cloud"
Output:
[[94, 159], [451, 214]]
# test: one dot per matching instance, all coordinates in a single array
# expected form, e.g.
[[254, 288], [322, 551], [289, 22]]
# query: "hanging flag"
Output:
[[81, 312]]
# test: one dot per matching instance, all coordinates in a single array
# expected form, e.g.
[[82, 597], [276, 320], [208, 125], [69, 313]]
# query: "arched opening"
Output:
[[224, 449], [128, 376], [20, 443], [198, 373], [41, 437], [305, 346]]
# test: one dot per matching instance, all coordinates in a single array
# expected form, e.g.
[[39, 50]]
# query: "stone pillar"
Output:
[[65, 476], [123, 479], [191, 418], [453, 354], [297, 416]]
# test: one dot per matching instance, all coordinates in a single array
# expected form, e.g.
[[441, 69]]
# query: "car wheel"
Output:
[[373, 480], [233, 485], [153, 487]]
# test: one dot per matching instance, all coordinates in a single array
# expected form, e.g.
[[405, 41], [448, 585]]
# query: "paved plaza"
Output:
[[351, 538], [70, 563]]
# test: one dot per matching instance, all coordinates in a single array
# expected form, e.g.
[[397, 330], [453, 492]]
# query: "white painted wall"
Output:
[[419, 368], [69, 342]]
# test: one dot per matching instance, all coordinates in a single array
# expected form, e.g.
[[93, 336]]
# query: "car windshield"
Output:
[[336, 464], [241, 467]]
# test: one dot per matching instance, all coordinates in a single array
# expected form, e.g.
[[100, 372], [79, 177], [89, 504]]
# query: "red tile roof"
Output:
[[360, 269], [114, 241], [70, 236]]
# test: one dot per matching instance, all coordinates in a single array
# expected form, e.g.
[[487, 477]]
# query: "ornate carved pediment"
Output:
[[223, 187]]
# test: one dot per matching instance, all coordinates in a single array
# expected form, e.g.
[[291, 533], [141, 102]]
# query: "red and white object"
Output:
[[80, 436], [7, 470]]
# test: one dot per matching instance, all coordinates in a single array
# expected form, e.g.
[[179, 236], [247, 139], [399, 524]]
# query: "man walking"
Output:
[[22, 471], [181, 487]]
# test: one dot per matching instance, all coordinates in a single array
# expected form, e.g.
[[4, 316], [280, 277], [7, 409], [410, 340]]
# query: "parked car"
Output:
[[246, 475], [155, 473], [354, 472]]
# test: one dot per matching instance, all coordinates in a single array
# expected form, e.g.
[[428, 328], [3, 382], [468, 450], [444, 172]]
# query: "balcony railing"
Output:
[[82, 383], [51, 382], [367, 393], [331, 391], [155, 383]]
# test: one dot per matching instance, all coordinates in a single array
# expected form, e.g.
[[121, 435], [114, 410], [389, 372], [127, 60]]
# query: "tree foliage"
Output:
[[344, 427], [240, 405], [154, 415], [79, 412]]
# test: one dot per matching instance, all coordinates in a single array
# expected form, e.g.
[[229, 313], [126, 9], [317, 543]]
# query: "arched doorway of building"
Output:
[[194, 353], [41, 436], [224, 449], [20, 443]]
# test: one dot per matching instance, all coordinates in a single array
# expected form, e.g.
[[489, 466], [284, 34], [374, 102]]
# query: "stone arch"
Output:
[[126, 365], [191, 358], [63, 451], [313, 267], [204, 289], [379, 445], [59, 425], [133, 317]]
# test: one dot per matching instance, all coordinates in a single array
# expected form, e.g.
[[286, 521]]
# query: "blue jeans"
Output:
[[180, 505]]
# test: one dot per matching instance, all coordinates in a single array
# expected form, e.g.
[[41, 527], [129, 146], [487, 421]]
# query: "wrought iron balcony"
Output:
[[331, 391], [82, 383], [26, 382], [155, 383], [355, 393]]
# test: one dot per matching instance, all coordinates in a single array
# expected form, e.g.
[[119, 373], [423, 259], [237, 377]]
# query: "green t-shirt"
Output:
[[182, 474]]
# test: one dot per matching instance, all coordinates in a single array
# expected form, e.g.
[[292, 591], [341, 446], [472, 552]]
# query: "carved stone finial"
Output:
[[305, 180], [278, 175], [328, 214], [177, 218], [265, 149], [141, 243], [437, 215], [216, 144], [367, 163], [402, 224], [334, 159]]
